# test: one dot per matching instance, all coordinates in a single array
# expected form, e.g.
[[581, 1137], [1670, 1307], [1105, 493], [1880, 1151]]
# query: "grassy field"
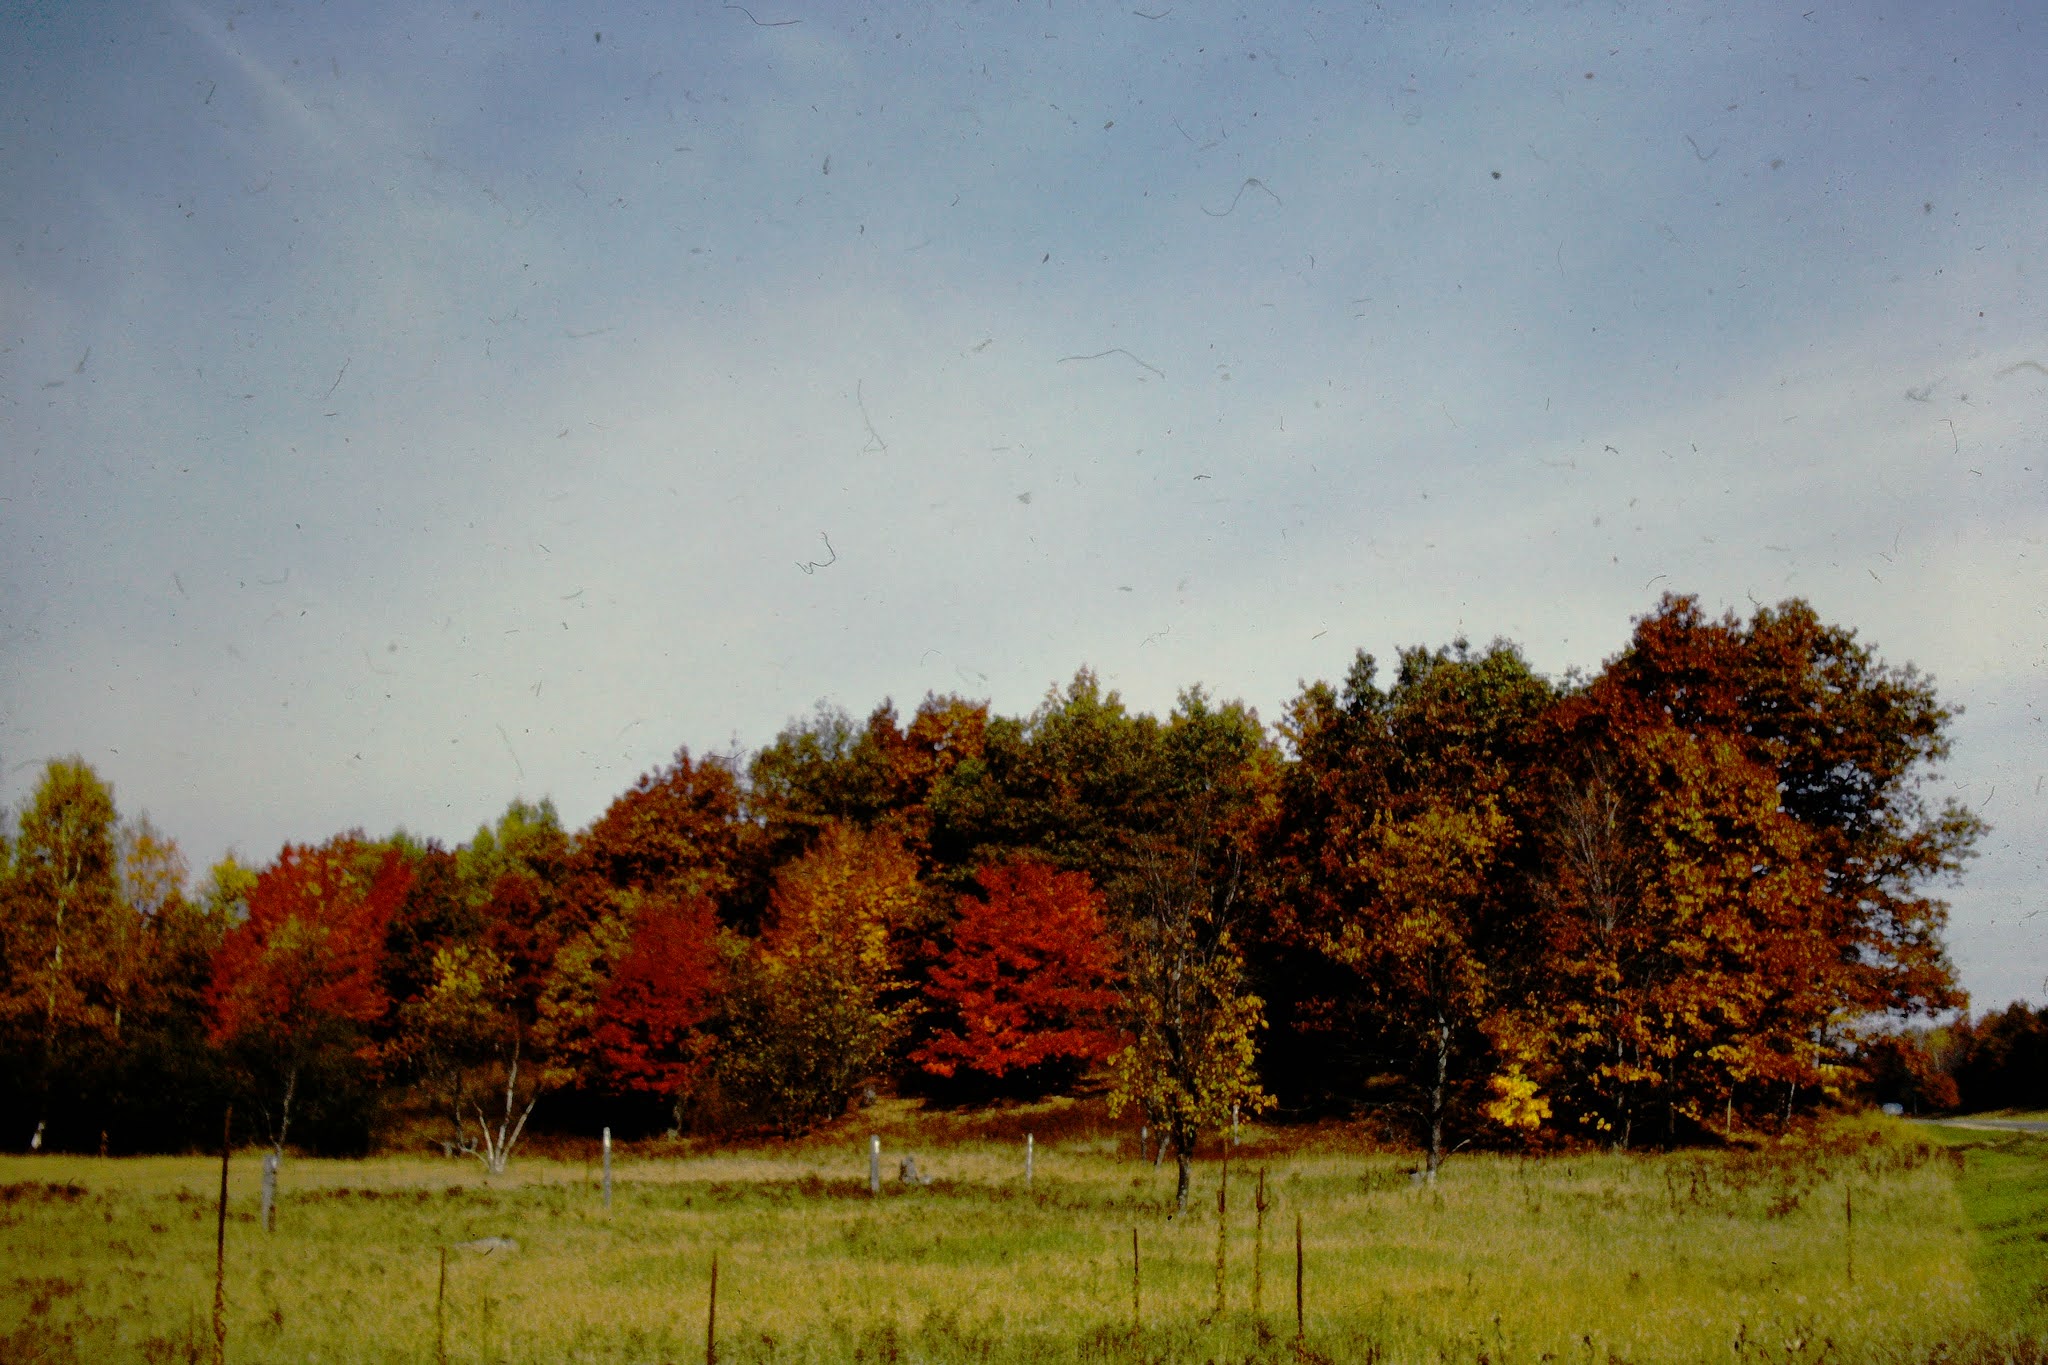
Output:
[[1725, 1256], [2004, 1193]]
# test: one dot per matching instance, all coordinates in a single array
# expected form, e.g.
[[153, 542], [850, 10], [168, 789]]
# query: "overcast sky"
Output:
[[409, 407]]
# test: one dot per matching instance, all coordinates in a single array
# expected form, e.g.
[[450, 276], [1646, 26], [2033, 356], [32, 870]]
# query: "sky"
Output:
[[409, 407]]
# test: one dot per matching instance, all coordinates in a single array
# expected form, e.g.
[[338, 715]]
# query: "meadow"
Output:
[[1872, 1240]]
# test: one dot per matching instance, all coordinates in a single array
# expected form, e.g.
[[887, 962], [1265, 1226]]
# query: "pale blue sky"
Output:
[[405, 408]]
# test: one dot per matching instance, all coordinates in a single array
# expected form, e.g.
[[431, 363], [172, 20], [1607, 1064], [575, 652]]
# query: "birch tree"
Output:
[[62, 928]]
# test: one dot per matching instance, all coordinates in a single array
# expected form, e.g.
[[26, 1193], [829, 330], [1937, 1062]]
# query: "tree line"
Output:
[[1690, 892], [1996, 1060]]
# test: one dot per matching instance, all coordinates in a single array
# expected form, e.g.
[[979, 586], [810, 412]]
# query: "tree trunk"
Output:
[[497, 1147], [1621, 1122], [284, 1121], [49, 1060], [1436, 1098], [56, 974], [1183, 1156]]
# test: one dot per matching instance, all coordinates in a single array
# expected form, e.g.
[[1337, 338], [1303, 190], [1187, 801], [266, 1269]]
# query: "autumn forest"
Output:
[[1696, 891]]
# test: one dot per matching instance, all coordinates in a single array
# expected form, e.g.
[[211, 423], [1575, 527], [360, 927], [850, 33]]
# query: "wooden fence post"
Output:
[[1030, 1150], [1849, 1230], [220, 1246], [875, 1165], [441, 1313], [711, 1317], [607, 1168], [271, 1161]]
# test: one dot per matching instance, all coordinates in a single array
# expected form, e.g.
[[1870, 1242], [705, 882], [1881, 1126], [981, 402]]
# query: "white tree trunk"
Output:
[[495, 1148]]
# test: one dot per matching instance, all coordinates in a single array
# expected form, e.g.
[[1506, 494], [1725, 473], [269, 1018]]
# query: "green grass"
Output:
[[1736, 1256], [2004, 1192]]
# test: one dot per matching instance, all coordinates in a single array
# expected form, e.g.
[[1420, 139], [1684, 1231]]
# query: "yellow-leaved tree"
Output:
[[811, 1011], [1190, 1020], [1403, 823], [468, 1035], [1412, 935]]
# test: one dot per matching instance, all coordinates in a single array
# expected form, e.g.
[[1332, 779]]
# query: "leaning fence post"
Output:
[[607, 1168], [269, 1212], [875, 1165], [1849, 1231], [711, 1317], [1030, 1151], [220, 1246], [441, 1313]]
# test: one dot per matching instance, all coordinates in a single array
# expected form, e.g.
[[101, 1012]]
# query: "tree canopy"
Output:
[[1695, 889]]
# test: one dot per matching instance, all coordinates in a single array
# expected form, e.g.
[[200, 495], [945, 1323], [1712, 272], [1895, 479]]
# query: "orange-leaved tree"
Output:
[[675, 831], [1026, 989], [1688, 963], [298, 984], [1791, 762]]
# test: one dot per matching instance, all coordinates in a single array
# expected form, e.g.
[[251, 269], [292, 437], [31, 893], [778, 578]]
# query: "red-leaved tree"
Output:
[[1027, 986], [299, 982], [649, 1034]]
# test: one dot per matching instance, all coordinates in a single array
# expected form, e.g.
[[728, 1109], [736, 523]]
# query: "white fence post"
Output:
[[269, 1210]]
